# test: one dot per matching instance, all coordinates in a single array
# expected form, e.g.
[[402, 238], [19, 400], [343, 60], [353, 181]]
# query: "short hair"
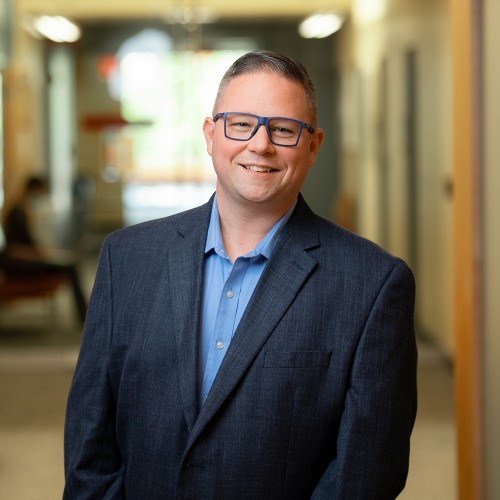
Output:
[[265, 60]]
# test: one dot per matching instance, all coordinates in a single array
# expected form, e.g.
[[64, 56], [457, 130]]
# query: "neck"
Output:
[[243, 226]]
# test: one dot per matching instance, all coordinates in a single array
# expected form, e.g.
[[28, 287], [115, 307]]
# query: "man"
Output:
[[247, 348]]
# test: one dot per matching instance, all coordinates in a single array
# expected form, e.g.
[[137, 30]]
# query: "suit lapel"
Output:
[[286, 271], [185, 275]]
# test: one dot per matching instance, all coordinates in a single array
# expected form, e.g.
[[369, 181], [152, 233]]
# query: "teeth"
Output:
[[255, 168]]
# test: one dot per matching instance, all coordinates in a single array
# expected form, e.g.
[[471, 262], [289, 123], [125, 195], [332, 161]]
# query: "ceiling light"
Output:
[[57, 28], [321, 25]]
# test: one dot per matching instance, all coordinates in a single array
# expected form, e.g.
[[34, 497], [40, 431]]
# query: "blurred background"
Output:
[[104, 101]]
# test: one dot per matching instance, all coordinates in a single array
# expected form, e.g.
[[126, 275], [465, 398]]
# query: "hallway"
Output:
[[35, 373]]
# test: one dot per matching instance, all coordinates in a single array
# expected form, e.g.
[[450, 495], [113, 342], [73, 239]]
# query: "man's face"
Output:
[[257, 171]]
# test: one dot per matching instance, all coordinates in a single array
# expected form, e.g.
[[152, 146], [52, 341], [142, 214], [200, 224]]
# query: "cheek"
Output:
[[224, 150], [217, 152], [220, 158], [301, 164], [215, 148]]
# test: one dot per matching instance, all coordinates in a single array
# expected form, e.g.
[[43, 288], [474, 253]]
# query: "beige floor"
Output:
[[36, 366]]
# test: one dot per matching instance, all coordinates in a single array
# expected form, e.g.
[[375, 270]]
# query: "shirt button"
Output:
[[220, 345], [229, 294]]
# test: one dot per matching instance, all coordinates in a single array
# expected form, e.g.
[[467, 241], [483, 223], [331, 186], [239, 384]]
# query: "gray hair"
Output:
[[264, 60]]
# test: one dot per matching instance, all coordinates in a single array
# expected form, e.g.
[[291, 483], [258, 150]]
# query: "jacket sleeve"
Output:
[[372, 451], [93, 465]]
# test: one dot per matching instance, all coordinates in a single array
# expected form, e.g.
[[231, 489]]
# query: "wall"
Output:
[[24, 96], [386, 132], [5, 15]]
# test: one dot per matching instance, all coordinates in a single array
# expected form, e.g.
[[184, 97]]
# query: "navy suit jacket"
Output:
[[315, 398]]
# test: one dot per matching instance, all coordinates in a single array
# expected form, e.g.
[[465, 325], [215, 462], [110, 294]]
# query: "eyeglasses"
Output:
[[281, 131]]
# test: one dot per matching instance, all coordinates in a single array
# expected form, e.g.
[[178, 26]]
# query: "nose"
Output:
[[261, 142]]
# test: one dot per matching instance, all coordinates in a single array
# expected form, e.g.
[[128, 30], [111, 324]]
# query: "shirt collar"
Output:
[[265, 246]]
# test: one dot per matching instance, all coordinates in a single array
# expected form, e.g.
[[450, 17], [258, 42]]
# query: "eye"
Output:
[[283, 129], [241, 125]]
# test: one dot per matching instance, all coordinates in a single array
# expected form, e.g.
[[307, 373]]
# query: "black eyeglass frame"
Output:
[[264, 120]]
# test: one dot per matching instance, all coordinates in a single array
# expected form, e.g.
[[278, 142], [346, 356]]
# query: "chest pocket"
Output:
[[297, 359]]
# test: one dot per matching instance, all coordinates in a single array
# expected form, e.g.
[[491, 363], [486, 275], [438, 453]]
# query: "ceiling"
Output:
[[86, 10]]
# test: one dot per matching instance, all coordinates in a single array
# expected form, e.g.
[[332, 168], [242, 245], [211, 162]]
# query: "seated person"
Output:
[[23, 256]]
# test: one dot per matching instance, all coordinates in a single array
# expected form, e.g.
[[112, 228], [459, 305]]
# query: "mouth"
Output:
[[257, 168]]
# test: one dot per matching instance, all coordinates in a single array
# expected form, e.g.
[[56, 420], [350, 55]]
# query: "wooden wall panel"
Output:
[[467, 245]]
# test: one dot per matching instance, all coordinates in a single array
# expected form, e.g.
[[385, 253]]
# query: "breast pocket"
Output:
[[297, 359]]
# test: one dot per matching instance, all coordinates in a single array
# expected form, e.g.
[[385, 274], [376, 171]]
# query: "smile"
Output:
[[256, 168]]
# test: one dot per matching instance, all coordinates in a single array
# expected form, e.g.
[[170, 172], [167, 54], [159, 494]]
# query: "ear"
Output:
[[208, 132], [316, 140]]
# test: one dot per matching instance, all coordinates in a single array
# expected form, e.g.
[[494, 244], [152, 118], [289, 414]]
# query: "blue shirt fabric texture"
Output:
[[227, 289]]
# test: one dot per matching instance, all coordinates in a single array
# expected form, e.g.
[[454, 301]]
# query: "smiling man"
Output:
[[267, 162], [247, 348]]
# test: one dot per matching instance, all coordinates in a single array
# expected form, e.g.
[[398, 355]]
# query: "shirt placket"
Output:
[[225, 323]]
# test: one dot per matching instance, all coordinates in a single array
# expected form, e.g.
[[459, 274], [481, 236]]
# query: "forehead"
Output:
[[265, 93]]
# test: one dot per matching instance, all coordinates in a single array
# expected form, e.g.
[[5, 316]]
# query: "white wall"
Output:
[[398, 27]]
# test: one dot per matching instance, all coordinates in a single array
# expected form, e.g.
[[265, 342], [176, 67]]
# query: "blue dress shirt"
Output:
[[227, 289]]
